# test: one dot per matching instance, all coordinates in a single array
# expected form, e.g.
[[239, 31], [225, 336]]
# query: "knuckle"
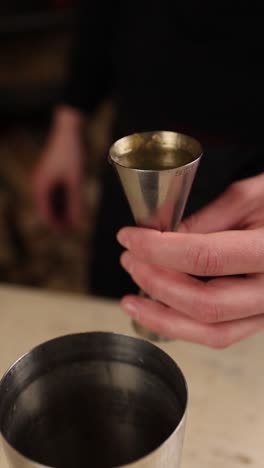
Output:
[[205, 261], [211, 311]]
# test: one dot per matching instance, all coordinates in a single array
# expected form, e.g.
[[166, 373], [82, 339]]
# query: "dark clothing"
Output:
[[189, 62], [192, 66]]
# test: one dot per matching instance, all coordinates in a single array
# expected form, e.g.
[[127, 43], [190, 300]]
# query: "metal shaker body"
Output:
[[93, 399]]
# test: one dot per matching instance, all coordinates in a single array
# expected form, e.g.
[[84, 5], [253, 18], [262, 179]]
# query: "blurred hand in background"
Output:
[[57, 179]]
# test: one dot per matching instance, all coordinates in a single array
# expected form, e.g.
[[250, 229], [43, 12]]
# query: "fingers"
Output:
[[216, 254], [168, 322], [217, 301]]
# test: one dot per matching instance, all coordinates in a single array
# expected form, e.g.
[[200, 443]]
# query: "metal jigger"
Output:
[[156, 170]]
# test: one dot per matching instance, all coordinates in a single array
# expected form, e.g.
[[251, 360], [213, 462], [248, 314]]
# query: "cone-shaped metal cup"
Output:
[[156, 170], [97, 400]]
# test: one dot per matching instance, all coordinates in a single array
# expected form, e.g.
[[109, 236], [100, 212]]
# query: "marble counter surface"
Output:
[[225, 426]]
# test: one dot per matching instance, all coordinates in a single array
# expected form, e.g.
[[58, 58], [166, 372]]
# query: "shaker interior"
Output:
[[100, 400]]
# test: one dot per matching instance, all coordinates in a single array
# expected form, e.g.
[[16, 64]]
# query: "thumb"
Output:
[[221, 214]]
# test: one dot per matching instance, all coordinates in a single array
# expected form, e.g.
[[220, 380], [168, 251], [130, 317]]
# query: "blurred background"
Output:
[[35, 45]]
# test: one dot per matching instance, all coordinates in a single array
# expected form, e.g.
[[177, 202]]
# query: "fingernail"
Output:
[[123, 239], [131, 307], [126, 262]]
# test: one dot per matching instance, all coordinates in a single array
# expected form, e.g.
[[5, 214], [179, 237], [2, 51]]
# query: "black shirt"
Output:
[[192, 63], [189, 65]]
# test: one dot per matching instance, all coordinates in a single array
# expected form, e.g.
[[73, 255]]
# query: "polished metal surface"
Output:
[[156, 170], [97, 400]]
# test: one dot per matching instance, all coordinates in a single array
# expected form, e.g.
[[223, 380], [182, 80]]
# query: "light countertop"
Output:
[[225, 424]]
